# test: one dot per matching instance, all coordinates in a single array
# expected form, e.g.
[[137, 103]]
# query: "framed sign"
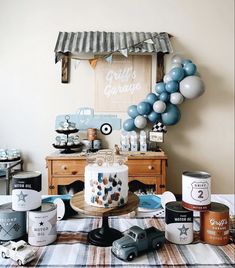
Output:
[[122, 83], [156, 136]]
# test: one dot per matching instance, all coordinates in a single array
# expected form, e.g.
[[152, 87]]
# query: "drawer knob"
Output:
[[150, 167], [64, 167], [74, 172]]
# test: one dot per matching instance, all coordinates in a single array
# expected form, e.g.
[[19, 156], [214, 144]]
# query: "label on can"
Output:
[[42, 225], [12, 223], [26, 191], [179, 223], [196, 190]]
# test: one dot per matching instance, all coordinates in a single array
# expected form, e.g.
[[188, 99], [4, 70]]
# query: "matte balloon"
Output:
[[176, 98], [159, 106], [190, 69], [172, 86], [177, 59], [129, 125], [151, 98], [132, 111], [167, 78], [184, 62], [177, 74], [154, 117], [140, 122], [174, 65], [164, 96], [144, 108], [160, 87], [191, 87], [171, 116]]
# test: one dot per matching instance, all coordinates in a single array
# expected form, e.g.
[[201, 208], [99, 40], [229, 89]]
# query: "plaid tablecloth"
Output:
[[72, 250]]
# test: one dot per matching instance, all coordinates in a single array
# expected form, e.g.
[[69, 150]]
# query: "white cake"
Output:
[[106, 186]]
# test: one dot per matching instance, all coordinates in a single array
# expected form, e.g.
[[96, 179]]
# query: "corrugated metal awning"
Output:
[[110, 42]]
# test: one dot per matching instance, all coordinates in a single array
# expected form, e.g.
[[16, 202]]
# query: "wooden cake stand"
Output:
[[105, 235]]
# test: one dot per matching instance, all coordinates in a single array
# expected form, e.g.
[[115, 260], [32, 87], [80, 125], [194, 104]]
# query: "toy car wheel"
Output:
[[120, 162], [99, 162], [19, 262], [4, 255], [106, 129], [157, 245], [131, 256]]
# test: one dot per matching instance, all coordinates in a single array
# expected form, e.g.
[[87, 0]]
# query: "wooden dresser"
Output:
[[148, 168]]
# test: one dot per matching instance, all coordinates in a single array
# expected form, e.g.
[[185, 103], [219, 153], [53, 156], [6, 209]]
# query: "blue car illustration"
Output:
[[85, 118]]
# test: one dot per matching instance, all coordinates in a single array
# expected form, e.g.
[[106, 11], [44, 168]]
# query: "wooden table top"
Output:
[[78, 203]]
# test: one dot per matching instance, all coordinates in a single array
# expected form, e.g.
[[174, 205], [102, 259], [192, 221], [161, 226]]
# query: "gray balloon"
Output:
[[159, 106], [176, 98], [191, 87], [177, 59], [140, 122]]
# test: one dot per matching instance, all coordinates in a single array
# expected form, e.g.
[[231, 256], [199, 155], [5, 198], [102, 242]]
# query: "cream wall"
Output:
[[31, 93]]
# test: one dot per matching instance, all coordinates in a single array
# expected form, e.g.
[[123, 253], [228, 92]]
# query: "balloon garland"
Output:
[[179, 84]]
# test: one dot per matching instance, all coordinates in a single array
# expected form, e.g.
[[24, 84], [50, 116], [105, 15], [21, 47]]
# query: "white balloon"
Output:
[[167, 78], [177, 59], [159, 106], [176, 65], [140, 122], [176, 98], [191, 87]]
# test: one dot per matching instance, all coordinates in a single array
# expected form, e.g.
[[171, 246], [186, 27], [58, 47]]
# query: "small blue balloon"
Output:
[[132, 111], [164, 96], [171, 115], [184, 62], [151, 98], [144, 108], [129, 125], [177, 74], [172, 86], [160, 87], [190, 69], [154, 117]]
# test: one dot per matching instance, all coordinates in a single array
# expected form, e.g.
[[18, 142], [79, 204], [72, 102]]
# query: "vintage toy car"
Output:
[[137, 240], [85, 118], [106, 156], [18, 251]]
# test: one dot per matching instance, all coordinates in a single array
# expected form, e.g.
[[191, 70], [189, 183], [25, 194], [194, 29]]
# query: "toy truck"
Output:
[[19, 251], [137, 240]]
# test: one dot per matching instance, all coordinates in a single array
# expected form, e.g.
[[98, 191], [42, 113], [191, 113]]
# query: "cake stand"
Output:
[[105, 235]]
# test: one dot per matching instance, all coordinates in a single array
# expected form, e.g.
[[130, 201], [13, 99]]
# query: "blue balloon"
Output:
[[184, 62], [154, 117], [172, 86], [160, 87], [129, 125], [190, 69], [177, 74], [144, 108], [132, 111], [171, 115], [151, 98], [164, 96]]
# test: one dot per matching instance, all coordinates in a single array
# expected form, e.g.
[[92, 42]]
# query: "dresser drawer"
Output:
[[140, 167], [70, 167]]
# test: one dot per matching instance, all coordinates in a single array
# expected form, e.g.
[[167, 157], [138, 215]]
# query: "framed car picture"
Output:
[[156, 136]]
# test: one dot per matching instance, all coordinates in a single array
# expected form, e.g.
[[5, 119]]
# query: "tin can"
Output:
[[214, 225], [26, 190], [196, 190], [96, 144], [87, 145], [42, 225], [91, 134], [178, 223], [12, 223]]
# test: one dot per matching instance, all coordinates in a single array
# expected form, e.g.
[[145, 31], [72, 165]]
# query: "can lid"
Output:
[[176, 206], [197, 174], [26, 174], [218, 207], [45, 207]]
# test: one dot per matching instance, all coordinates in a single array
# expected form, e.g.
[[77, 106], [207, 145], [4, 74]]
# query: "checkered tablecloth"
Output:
[[72, 250]]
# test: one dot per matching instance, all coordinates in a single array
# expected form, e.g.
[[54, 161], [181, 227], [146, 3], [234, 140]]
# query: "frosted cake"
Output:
[[106, 186]]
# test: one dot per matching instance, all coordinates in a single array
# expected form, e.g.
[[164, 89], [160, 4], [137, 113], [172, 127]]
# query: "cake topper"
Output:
[[106, 157]]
